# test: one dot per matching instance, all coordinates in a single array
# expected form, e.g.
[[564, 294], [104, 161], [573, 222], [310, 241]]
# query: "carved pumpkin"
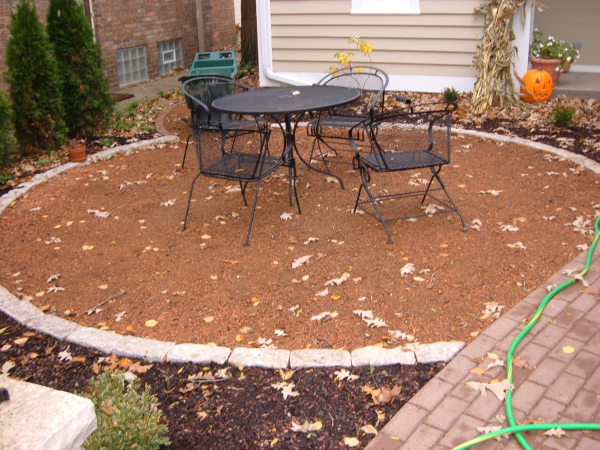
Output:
[[539, 83]]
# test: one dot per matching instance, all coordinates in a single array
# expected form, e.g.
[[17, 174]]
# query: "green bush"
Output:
[[562, 116], [84, 89], [450, 95], [125, 418], [33, 79], [7, 139]]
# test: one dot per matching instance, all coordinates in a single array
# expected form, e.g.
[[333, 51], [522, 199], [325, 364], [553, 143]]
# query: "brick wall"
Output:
[[120, 25]]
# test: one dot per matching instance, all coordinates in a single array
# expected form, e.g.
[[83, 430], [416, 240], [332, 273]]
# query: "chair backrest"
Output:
[[200, 93], [370, 81], [421, 132]]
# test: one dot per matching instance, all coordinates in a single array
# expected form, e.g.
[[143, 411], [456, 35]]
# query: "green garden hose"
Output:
[[513, 428]]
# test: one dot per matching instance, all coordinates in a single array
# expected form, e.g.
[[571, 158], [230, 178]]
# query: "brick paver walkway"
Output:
[[555, 387]]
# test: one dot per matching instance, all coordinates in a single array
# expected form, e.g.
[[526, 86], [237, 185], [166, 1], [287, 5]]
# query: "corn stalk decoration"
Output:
[[494, 57]]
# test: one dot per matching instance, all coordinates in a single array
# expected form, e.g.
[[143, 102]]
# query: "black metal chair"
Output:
[[240, 154], [417, 137], [199, 94], [330, 127]]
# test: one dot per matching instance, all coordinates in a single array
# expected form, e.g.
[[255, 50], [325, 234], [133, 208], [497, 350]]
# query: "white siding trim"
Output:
[[523, 37], [584, 69], [385, 7]]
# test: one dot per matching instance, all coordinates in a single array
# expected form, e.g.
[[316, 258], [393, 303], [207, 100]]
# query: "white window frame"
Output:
[[385, 7], [171, 57]]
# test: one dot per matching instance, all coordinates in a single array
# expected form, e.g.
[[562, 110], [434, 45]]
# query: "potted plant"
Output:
[[551, 55], [76, 150]]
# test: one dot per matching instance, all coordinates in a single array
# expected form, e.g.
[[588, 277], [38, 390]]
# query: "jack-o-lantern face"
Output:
[[539, 83]]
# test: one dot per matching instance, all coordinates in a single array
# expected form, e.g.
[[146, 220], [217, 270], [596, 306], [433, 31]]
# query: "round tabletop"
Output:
[[285, 100]]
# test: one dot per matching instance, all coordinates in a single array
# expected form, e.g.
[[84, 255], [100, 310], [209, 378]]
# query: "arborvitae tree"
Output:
[[85, 93], [7, 140], [32, 75]]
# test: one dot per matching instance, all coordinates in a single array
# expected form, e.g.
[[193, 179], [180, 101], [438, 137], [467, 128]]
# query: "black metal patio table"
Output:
[[287, 101]]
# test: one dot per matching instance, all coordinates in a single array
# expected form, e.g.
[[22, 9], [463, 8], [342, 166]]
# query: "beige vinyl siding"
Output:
[[441, 41], [573, 21]]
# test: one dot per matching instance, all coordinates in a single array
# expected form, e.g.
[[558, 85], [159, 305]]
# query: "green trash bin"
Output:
[[212, 63]]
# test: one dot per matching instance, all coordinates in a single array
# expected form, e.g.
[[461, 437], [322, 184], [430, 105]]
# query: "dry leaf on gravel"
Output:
[[338, 281], [558, 432], [299, 261]]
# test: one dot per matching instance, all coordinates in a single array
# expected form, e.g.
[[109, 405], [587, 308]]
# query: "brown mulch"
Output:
[[243, 412], [180, 279]]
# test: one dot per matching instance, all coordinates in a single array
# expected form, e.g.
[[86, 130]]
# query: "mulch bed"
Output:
[[244, 412]]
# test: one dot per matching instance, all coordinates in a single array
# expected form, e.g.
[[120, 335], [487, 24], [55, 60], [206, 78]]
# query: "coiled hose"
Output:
[[513, 428]]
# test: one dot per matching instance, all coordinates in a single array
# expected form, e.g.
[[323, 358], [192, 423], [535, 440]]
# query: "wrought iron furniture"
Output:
[[199, 94], [417, 137], [330, 127]]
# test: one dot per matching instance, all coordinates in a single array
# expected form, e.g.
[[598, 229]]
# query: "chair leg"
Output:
[[247, 244], [374, 203], [187, 142], [243, 188], [189, 202], [451, 201], [327, 170]]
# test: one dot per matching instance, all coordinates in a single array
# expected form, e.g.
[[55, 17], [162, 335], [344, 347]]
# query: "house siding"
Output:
[[573, 21], [441, 40], [122, 25]]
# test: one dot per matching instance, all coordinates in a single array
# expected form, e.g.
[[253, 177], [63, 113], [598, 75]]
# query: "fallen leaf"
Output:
[[209, 319], [478, 370], [568, 349], [298, 262], [519, 362], [351, 441], [338, 281], [408, 269], [239, 338], [370, 429], [558, 432], [103, 286], [497, 388], [7, 366], [286, 216], [65, 355], [492, 355], [205, 237], [20, 341], [306, 427], [151, 323]]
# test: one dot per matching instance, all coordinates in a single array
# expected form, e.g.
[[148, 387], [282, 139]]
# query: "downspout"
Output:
[[200, 26], [92, 23], [265, 49]]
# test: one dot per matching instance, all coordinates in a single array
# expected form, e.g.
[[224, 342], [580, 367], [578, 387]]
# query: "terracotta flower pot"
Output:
[[552, 66], [77, 154]]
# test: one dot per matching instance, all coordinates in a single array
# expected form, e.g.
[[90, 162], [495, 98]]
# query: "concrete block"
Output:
[[198, 354], [268, 358], [21, 311], [438, 351], [375, 356], [40, 418], [320, 358], [53, 326], [141, 348], [98, 339]]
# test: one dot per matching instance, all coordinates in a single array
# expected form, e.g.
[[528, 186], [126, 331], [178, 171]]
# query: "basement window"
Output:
[[169, 55], [131, 65]]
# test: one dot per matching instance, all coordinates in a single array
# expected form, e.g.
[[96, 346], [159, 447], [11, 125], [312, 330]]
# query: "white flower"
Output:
[[568, 59]]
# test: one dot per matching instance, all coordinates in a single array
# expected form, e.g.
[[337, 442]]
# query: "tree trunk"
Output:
[[249, 34]]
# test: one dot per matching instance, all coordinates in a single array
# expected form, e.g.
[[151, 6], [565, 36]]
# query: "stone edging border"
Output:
[[153, 350]]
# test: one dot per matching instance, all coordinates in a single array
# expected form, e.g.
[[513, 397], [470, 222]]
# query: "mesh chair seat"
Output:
[[239, 166], [412, 159]]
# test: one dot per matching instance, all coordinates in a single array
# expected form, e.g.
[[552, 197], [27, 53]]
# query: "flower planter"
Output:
[[552, 66], [77, 154]]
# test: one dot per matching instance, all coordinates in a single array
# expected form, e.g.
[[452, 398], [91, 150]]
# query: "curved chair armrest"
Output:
[[362, 124], [402, 99]]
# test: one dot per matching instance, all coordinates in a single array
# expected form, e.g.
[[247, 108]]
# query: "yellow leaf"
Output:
[[379, 344], [351, 441], [151, 323], [20, 341], [209, 319], [87, 247], [334, 314], [103, 286], [335, 297], [485, 316], [205, 236], [492, 355], [566, 349], [129, 328], [444, 245], [395, 438], [474, 333], [478, 370], [419, 279], [445, 255], [39, 294], [239, 338], [370, 429], [274, 441]]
